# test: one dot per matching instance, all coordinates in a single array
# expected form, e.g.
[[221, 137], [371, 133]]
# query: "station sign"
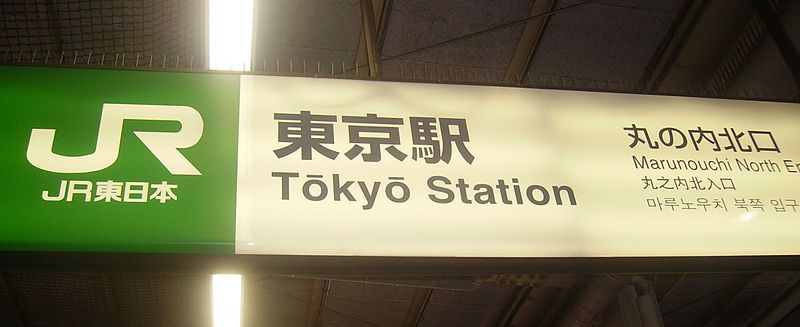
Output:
[[127, 161]]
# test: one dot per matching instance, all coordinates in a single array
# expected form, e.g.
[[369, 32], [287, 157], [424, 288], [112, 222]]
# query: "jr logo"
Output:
[[164, 145]]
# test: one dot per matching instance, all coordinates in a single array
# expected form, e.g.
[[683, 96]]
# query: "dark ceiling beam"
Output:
[[738, 57], [671, 45], [560, 305], [725, 298], [519, 296], [456, 283], [776, 297], [780, 310], [666, 285], [375, 19], [316, 308], [529, 41], [385, 267], [782, 40], [537, 300], [417, 308]]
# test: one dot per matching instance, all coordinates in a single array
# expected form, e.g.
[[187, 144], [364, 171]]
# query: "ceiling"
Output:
[[694, 47], [719, 48], [31, 298]]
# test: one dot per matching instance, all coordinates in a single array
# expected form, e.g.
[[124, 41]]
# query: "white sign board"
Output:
[[346, 167]]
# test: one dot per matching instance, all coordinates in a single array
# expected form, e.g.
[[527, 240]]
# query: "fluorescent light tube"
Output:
[[230, 34], [226, 294]]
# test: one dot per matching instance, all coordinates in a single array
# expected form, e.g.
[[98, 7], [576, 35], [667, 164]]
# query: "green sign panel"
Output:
[[86, 169]]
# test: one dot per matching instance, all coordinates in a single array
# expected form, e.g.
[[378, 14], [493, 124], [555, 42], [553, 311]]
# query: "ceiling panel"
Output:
[[604, 40], [77, 27], [276, 301], [69, 299], [758, 294], [767, 72], [359, 304], [415, 24], [481, 307], [690, 300], [160, 299], [9, 312], [310, 30]]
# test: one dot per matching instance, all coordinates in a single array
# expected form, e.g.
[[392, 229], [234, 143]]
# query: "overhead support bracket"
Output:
[[373, 31], [529, 41], [778, 33], [316, 309], [520, 296], [417, 309], [781, 310], [671, 46]]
